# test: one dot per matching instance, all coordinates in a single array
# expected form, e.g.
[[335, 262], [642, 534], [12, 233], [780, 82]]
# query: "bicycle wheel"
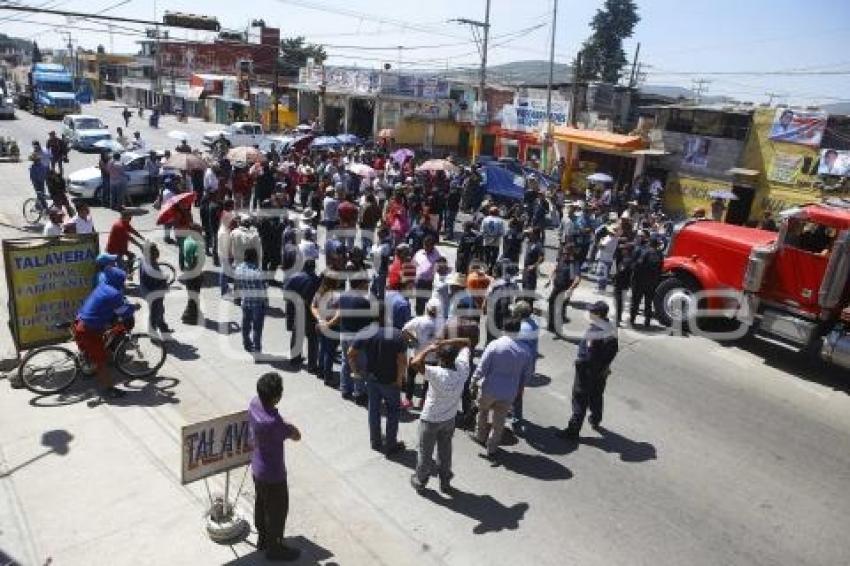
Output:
[[168, 272], [49, 370], [32, 210], [139, 355]]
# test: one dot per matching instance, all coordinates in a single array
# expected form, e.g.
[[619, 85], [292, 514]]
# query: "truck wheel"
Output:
[[673, 298]]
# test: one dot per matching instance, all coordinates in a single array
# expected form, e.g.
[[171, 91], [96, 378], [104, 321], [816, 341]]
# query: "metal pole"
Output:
[[633, 75], [476, 136], [275, 125], [226, 490], [547, 140]]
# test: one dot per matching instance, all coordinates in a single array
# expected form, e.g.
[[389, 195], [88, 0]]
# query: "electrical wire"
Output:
[[403, 25]]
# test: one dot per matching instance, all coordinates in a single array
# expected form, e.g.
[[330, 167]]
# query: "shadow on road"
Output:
[[492, 516], [535, 466], [311, 553], [539, 380], [182, 351], [799, 365], [628, 449], [57, 442]]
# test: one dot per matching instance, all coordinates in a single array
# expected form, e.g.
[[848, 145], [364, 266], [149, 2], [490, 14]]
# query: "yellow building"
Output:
[[787, 171]]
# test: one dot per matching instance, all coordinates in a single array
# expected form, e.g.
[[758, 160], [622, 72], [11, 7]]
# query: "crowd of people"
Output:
[[351, 241]]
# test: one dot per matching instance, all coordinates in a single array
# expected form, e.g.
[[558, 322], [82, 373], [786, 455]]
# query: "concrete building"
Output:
[[743, 149]]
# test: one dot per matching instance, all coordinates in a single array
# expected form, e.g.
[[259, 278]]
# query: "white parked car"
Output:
[[83, 132], [238, 133], [86, 183]]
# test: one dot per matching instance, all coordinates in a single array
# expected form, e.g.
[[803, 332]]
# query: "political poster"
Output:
[[785, 168], [834, 162], [695, 151], [48, 279], [802, 127], [215, 446]]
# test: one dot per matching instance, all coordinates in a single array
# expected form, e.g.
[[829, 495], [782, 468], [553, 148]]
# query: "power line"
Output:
[[404, 25]]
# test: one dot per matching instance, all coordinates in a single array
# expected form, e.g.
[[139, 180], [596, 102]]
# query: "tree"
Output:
[[36, 53], [602, 53], [294, 52]]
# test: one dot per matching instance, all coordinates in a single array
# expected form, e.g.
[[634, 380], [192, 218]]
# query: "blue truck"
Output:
[[49, 91]]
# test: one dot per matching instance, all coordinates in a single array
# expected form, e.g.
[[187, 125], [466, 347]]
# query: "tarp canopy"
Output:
[[500, 182]]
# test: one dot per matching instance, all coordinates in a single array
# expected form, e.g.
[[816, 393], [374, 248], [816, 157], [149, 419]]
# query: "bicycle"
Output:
[[167, 270], [34, 212], [53, 369]]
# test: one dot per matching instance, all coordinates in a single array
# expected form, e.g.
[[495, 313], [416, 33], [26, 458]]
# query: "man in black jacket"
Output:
[[646, 273], [302, 287]]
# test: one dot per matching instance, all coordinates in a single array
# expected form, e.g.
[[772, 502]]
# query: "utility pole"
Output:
[[69, 43], [567, 178], [547, 135], [574, 91], [480, 95], [771, 95], [634, 74], [700, 87]]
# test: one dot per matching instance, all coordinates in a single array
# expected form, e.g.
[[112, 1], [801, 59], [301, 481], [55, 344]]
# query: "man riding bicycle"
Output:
[[120, 236], [102, 309]]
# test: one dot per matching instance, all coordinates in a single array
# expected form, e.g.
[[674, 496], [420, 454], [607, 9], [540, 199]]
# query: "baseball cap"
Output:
[[105, 259]]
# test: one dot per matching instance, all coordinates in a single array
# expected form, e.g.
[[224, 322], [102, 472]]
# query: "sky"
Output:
[[679, 41]]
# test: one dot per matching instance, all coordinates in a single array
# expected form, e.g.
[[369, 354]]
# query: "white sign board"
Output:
[[214, 446]]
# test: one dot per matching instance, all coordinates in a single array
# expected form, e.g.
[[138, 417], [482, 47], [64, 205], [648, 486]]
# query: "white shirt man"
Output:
[[243, 237], [437, 420], [83, 225], [210, 181], [52, 228]]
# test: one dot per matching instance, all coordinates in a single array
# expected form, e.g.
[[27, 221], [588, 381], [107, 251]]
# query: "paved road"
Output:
[[713, 455]]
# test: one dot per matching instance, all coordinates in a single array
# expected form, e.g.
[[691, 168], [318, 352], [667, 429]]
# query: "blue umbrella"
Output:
[[325, 142], [349, 139]]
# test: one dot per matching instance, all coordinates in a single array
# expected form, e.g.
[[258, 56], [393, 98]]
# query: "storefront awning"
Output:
[[598, 140], [195, 93]]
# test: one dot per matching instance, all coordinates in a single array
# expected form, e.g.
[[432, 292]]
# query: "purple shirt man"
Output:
[[268, 431]]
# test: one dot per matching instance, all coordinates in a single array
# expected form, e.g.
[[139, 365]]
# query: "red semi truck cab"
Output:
[[791, 286]]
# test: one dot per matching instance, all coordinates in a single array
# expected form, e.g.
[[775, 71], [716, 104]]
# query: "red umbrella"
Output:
[[169, 207]]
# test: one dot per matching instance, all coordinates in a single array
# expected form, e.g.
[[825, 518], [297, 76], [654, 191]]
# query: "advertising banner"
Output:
[[834, 162], [798, 126], [215, 446], [695, 151], [48, 279], [785, 168], [529, 114]]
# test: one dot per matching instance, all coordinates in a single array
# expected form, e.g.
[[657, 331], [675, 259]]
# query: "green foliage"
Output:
[[603, 57], [294, 52]]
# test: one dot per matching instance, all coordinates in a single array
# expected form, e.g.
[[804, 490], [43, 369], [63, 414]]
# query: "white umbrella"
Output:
[[362, 170], [178, 135], [600, 178]]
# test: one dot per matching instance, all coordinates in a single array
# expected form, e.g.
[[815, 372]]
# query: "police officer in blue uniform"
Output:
[[596, 351]]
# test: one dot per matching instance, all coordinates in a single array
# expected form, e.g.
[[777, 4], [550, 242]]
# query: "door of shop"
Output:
[[362, 117]]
